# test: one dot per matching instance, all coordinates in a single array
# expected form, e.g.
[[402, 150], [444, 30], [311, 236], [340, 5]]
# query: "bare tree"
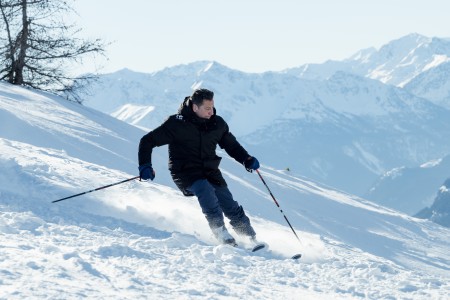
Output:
[[37, 47]]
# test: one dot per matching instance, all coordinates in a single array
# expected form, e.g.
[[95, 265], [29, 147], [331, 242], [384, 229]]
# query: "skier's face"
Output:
[[205, 110]]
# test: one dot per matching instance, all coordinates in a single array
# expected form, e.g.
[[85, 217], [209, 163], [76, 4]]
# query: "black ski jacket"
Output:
[[192, 146]]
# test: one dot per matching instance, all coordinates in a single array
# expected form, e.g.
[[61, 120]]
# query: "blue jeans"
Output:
[[217, 201]]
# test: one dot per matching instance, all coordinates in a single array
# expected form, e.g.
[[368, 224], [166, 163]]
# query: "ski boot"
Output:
[[223, 236]]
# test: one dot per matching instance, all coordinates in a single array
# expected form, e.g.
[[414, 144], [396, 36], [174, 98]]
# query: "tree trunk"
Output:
[[20, 63], [8, 54]]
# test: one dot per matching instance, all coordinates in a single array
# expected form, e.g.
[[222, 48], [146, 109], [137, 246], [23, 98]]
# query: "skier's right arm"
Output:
[[155, 138]]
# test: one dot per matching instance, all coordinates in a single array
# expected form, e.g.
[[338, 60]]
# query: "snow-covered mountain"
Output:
[[410, 189], [316, 128], [353, 130], [145, 240], [439, 211], [433, 84], [395, 63]]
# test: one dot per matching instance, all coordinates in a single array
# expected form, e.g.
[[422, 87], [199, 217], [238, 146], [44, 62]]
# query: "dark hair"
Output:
[[201, 94]]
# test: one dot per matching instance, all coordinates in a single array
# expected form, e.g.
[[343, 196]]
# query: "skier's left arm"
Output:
[[229, 143]]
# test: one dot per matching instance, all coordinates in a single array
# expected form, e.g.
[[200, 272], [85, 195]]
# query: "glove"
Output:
[[146, 172], [251, 164]]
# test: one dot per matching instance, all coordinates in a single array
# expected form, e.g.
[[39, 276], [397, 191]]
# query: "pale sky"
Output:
[[251, 35]]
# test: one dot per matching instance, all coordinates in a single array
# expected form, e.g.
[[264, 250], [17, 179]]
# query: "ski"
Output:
[[258, 247], [296, 256], [261, 246], [255, 248]]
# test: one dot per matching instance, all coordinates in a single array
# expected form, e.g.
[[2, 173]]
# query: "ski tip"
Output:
[[258, 247], [296, 256]]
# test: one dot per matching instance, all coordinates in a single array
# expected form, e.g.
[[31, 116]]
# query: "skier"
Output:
[[192, 136]]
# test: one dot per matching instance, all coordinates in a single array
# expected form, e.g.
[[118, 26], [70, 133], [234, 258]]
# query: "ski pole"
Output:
[[100, 188], [276, 202]]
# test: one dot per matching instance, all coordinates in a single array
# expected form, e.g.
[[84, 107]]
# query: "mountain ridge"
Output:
[[395, 63]]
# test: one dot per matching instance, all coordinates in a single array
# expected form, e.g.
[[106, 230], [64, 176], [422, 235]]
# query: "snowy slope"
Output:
[[144, 240]]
